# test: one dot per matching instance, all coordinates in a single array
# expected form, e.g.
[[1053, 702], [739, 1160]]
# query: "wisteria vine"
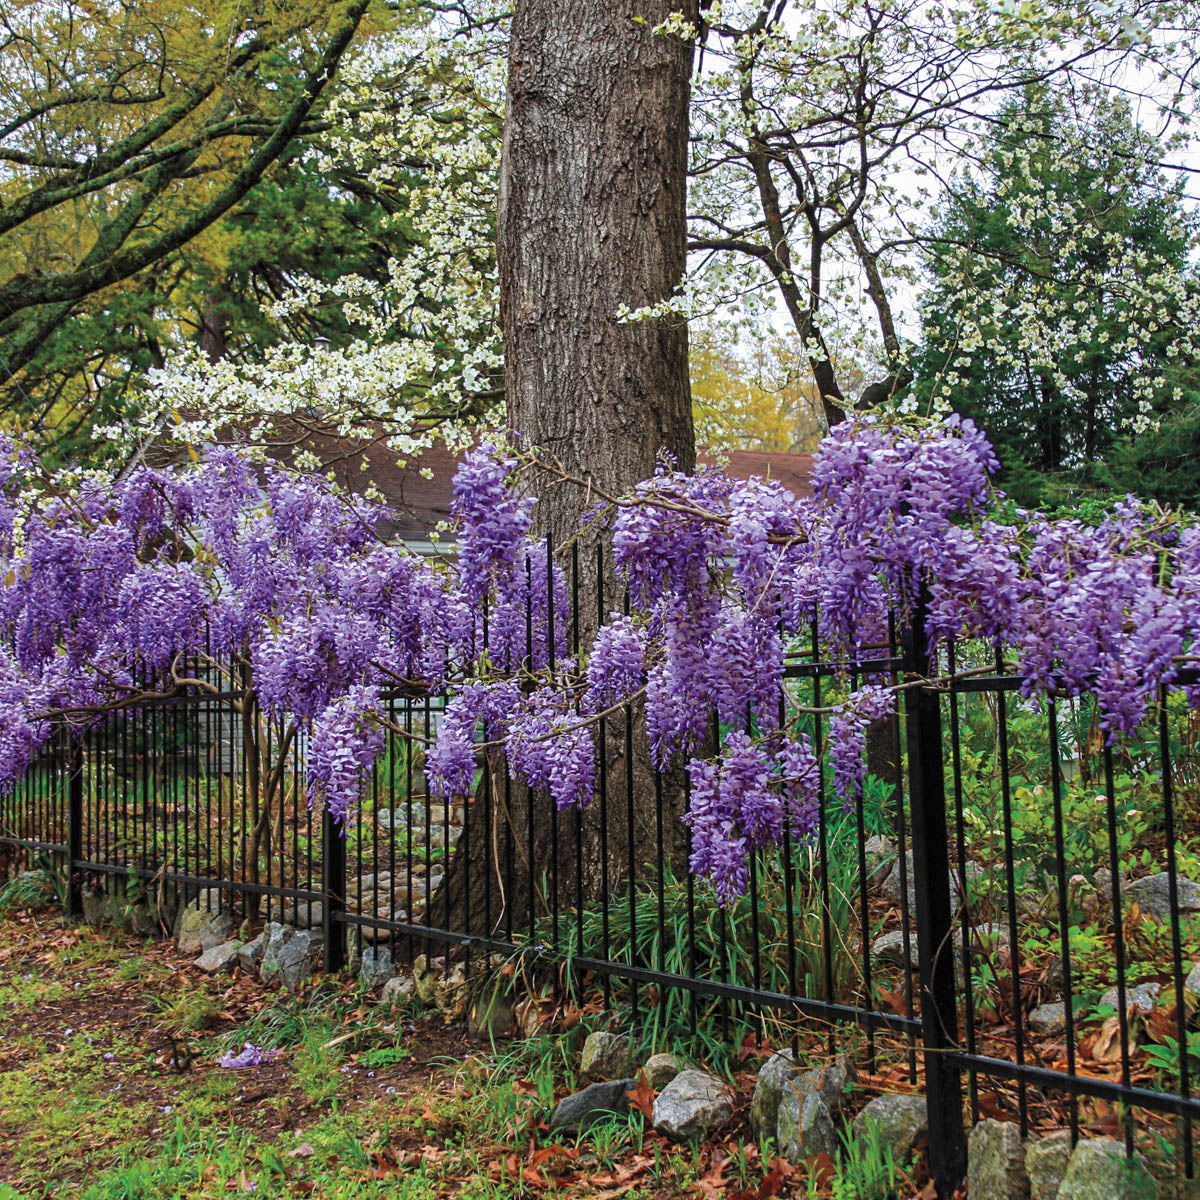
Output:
[[147, 585]]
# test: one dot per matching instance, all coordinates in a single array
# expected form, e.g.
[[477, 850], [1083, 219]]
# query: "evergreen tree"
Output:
[[1060, 283]]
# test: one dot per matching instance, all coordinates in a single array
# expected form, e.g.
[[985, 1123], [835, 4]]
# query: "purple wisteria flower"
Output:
[[249, 1056]]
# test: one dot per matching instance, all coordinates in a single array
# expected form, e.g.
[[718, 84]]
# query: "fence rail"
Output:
[[999, 862]]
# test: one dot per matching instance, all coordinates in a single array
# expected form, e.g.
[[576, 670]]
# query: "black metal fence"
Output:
[[1003, 918]]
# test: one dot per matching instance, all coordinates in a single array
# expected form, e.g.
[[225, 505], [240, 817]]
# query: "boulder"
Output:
[[900, 1122], [597, 1101], [768, 1091], [1099, 1170], [203, 924], [692, 1105], [95, 906], [606, 1056], [141, 920], [996, 1162], [889, 947], [1049, 1019], [427, 979], [491, 1014], [301, 914], [377, 967], [891, 885], [250, 954], [881, 857], [1046, 1164], [804, 1125], [1140, 997], [830, 1083], [289, 955], [452, 993], [398, 990], [1191, 986], [660, 1069], [1153, 895], [989, 937], [219, 958]]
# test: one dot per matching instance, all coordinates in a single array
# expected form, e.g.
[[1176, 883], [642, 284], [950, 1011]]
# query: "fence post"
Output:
[[934, 917], [333, 861], [73, 895]]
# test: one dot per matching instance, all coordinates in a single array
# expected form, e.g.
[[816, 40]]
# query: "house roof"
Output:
[[421, 503]]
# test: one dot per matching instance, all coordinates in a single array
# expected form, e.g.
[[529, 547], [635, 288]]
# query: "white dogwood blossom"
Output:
[[425, 352]]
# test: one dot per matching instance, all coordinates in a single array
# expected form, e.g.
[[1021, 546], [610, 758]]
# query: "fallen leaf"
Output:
[[642, 1097], [1105, 1044], [781, 1171], [1163, 1023], [304, 1150]]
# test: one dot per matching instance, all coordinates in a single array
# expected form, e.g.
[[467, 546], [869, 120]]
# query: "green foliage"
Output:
[[185, 1011], [680, 928], [866, 1169], [292, 1020], [30, 889]]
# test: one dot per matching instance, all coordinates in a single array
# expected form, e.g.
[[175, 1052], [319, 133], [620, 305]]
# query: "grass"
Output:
[[360, 1102]]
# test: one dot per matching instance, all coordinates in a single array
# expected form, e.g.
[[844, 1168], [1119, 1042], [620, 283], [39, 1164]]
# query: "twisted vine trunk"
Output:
[[592, 217]]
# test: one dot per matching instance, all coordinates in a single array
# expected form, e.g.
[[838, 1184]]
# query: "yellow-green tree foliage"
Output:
[[761, 399], [127, 132]]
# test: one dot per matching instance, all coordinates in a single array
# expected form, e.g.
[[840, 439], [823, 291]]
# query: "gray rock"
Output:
[[1141, 996], [594, 1103], [289, 955], [377, 966], [274, 935], [990, 938], [1104, 886], [1191, 986], [692, 1105], [889, 947], [996, 1162], [250, 954], [491, 1015], [900, 1122], [1099, 1170], [829, 1083], [426, 977], [891, 885], [660, 1069], [1046, 1164], [452, 993], [606, 1056], [805, 1125], [301, 914], [95, 907], [881, 857], [203, 924], [398, 990], [141, 920], [1153, 895], [219, 958], [768, 1091], [401, 818], [1049, 1019]]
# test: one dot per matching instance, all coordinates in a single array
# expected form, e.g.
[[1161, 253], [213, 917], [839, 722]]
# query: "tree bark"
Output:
[[592, 217]]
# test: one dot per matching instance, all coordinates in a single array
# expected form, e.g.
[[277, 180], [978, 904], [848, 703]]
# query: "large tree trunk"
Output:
[[592, 217]]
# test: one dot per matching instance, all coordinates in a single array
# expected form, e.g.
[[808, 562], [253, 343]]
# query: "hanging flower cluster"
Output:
[[141, 586]]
